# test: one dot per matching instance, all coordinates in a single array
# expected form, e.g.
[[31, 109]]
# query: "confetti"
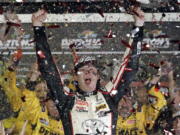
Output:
[[100, 11], [145, 47], [7, 30], [71, 46], [162, 62], [128, 69], [53, 26], [74, 54], [50, 37], [1, 10], [17, 55], [13, 24], [109, 35], [126, 44], [32, 41], [41, 54], [154, 65]]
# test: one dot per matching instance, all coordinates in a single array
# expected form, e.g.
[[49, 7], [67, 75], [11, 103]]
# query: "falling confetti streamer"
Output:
[[32, 41], [7, 30], [1, 10], [53, 26], [145, 47], [126, 44], [154, 65], [74, 54], [109, 35], [128, 69], [100, 11], [13, 24], [17, 55], [41, 54]]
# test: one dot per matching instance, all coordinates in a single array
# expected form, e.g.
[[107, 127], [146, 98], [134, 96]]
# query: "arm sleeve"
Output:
[[133, 62], [8, 83], [48, 68], [153, 110], [30, 107], [161, 101]]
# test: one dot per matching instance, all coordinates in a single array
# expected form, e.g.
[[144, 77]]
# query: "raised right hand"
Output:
[[138, 16], [39, 17]]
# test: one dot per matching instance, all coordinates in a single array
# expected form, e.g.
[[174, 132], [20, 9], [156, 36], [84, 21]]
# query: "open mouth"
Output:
[[87, 81]]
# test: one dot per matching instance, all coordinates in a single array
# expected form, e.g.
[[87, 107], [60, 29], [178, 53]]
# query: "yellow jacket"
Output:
[[44, 123], [153, 109], [8, 82], [137, 122], [29, 108]]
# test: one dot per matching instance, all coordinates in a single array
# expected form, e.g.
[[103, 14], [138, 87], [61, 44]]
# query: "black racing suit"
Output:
[[83, 113]]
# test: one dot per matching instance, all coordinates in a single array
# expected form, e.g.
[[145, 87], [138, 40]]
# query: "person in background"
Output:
[[10, 17], [136, 114], [174, 102], [32, 101]]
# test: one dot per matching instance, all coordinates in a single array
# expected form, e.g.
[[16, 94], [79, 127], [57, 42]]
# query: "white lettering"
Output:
[[12, 44], [82, 43], [158, 42]]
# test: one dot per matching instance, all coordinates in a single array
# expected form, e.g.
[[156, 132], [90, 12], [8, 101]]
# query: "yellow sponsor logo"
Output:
[[45, 131], [100, 107]]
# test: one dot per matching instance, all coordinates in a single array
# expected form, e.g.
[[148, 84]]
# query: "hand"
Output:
[[138, 16], [166, 68], [52, 109], [12, 17], [39, 17], [34, 67], [11, 20], [35, 73]]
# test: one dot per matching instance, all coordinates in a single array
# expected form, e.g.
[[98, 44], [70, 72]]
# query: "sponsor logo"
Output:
[[103, 113], [95, 127], [13, 43], [128, 132], [86, 40], [44, 121], [158, 42], [87, 34], [44, 131], [82, 103], [99, 107], [131, 121], [157, 39], [81, 109], [82, 43]]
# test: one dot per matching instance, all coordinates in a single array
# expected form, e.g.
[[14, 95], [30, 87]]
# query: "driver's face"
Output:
[[87, 77]]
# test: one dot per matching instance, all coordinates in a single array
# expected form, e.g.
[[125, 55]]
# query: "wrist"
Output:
[[34, 76], [139, 23], [39, 24]]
